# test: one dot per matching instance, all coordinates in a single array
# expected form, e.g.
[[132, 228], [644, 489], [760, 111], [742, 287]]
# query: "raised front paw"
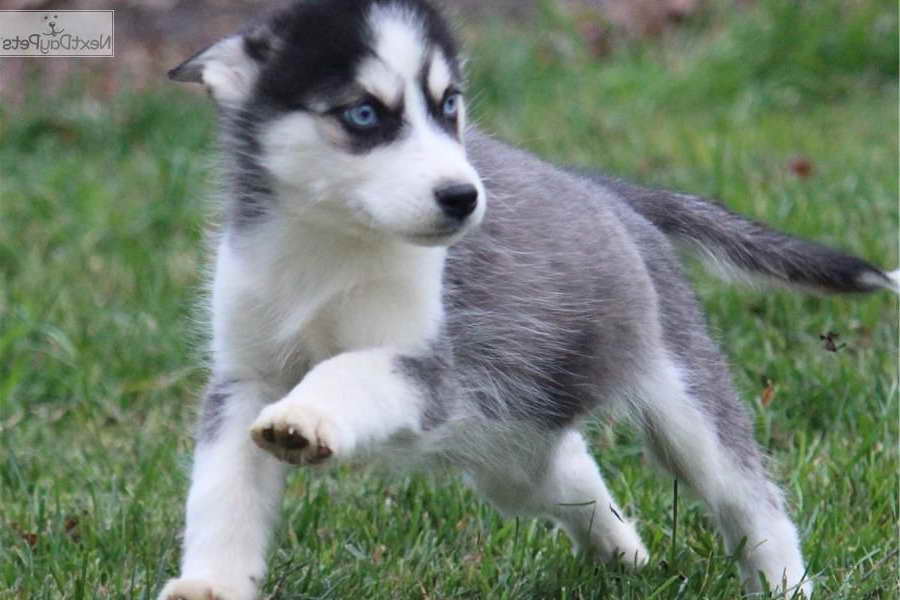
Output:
[[298, 433], [192, 589]]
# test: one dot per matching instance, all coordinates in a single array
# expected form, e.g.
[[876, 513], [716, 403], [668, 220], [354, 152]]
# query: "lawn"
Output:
[[102, 212]]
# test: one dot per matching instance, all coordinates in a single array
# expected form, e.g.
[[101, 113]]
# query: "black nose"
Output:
[[458, 201]]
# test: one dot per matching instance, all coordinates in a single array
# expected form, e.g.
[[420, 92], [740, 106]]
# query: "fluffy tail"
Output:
[[749, 248]]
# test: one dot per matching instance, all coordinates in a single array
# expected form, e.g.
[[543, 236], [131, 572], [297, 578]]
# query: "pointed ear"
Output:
[[229, 67]]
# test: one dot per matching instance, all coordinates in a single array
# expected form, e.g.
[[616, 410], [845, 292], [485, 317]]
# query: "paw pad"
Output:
[[294, 436]]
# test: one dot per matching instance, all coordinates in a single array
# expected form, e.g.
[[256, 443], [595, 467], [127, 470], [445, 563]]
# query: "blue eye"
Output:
[[363, 116], [451, 105]]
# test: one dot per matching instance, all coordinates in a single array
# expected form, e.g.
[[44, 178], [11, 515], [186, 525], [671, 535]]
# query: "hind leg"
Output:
[[563, 483], [707, 442]]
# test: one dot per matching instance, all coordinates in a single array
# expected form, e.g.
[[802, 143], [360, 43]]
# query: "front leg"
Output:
[[352, 405], [234, 497]]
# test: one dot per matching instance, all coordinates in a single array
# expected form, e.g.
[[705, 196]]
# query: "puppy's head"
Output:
[[353, 111]]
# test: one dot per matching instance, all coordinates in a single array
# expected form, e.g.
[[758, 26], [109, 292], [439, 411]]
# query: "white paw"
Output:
[[626, 547], [299, 433], [192, 589], [635, 557]]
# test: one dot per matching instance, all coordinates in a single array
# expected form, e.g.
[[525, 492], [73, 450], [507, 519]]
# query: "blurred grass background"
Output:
[[786, 111]]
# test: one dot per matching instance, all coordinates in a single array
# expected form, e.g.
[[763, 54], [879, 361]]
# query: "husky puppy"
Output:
[[390, 282]]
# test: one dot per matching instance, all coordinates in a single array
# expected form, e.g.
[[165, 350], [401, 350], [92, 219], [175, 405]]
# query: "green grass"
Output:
[[101, 220]]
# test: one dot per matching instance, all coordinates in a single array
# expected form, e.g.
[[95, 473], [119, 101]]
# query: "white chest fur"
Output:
[[286, 299]]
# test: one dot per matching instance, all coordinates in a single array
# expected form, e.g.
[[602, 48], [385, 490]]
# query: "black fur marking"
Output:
[[250, 182], [259, 44], [436, 105], [321, 45], [212, 411]]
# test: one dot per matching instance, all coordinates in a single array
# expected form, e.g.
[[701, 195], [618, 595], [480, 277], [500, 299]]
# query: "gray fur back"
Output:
[[554, 300]]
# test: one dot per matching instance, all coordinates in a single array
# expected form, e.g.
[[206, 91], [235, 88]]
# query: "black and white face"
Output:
[[356, 113]]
